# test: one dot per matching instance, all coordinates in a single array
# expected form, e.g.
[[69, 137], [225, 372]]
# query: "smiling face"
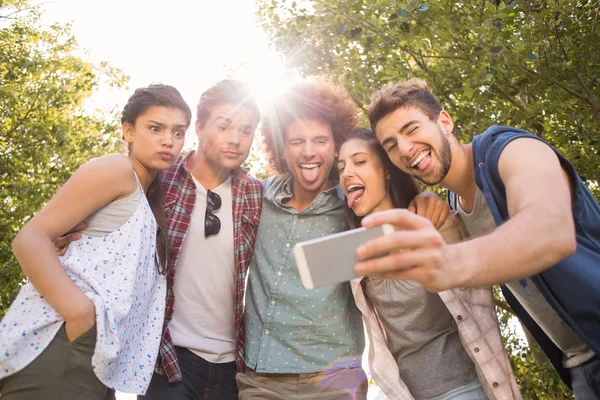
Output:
[[226, 137], [363, 178], [309, 153], [416, 144], [157, 136]]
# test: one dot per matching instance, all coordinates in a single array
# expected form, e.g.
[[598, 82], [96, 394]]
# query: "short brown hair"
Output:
[[412, 93], [227, 91], [310, 101]]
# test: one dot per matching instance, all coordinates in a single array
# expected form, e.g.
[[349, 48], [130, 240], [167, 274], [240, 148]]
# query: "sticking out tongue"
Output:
[[353, 196], [310, 174], [424, 163]]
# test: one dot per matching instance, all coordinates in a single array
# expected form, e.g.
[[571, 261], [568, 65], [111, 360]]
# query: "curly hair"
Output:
[[309, 101]]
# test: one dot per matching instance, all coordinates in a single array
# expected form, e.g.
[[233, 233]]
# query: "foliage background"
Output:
[[45, 134]]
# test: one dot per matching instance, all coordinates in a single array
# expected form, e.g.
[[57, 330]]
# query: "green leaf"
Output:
[[423, 7], [496, 49], [402, 13], [531, 56]]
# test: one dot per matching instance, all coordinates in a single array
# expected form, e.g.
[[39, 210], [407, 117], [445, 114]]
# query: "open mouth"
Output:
[[355, 193], [310, 171], [422, 161]]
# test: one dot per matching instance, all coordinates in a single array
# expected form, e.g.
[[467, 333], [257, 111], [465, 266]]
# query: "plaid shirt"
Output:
[[180, 198], [473, 310]]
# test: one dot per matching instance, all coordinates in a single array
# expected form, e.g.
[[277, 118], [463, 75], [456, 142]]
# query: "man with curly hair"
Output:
[[299, 340], [302, 343]]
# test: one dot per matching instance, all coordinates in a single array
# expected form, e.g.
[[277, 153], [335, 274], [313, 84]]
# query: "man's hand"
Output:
[[416, 251], [81, 322], [430, 206], [62, 243]]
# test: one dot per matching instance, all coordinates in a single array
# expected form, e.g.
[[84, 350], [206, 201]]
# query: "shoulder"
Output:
[[109, 166], [493, 141]]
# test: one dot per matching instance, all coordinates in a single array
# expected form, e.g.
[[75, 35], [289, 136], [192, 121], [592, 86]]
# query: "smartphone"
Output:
[[330, 259]]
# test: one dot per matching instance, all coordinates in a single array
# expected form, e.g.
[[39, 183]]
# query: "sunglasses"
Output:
[[212, 223], [162, 242]]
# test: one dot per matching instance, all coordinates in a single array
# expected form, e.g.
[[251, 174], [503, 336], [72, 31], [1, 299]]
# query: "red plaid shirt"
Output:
[[180, 198]]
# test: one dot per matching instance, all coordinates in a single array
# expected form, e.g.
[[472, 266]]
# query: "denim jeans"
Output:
[[201, 380], [471, 391], [586, 379]]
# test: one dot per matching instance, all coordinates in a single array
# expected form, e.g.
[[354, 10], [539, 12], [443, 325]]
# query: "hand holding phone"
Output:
[[330, 259]]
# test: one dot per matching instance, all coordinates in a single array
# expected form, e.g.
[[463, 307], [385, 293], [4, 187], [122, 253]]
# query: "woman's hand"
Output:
[[430, 206], [80, 322]]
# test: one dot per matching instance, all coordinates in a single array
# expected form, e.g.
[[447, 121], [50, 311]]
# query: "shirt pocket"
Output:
[[248, 228]]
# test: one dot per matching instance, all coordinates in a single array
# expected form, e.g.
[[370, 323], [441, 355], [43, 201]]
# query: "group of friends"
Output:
[[180, 283]]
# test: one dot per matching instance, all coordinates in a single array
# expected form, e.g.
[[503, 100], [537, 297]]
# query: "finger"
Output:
[[444, 213], [430, 211], [63, 251], [400, 218], [396, 262], [436, 217], [412, 207], [64, 241], [398, 241], [79, 227]]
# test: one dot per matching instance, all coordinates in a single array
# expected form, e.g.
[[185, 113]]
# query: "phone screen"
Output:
[[331, 259]]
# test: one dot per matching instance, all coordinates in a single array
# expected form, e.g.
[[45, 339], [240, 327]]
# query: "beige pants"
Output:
[[63, 371], [341, 384]]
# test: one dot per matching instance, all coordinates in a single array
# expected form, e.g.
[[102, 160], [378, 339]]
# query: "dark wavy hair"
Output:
[[309, 101], [411, 93], [143, 98], [402, 187]]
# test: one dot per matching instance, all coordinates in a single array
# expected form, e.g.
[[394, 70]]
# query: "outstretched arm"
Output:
[[539, 233], [94, 185]]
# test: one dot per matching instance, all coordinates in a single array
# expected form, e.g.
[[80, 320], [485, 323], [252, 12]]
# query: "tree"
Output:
[[534, 64], [45, 134]]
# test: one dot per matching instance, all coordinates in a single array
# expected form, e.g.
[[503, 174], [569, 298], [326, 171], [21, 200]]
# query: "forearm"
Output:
[[535, 239], [41, 265]]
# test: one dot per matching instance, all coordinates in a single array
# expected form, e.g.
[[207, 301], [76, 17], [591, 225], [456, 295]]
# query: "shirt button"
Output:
[[273, 302], [266, 331], [476, 349], [287, 245], [278, 273], [459, 317], [495, 384]]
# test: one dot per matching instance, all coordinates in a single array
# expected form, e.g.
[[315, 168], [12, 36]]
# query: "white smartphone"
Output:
[[330, 259]]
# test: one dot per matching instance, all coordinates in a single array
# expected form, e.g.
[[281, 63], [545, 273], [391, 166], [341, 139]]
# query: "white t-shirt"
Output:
[[203, 320]]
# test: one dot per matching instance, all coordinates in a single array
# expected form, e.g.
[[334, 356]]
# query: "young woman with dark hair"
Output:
[[90, 321], [423, 345]]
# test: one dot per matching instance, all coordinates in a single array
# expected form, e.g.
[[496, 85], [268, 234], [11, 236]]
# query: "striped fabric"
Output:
[[473, 310], [180, 197]]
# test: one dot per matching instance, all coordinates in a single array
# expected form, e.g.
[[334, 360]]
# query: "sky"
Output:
[[190, 44]]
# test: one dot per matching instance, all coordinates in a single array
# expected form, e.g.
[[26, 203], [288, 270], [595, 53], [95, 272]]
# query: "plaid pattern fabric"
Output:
[[180, 197], [475, 316]]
